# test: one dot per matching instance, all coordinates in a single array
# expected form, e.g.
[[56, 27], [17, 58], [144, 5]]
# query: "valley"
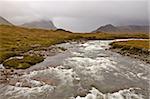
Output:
[[43, 62]]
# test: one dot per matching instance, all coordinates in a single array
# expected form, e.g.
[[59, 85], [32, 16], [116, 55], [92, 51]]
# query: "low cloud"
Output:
[[80, 16]]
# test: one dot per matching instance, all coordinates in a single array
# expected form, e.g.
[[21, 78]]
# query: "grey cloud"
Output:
[[79, 16]]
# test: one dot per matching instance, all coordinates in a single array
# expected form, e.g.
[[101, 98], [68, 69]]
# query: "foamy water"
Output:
[[122, 94], [89, 72]]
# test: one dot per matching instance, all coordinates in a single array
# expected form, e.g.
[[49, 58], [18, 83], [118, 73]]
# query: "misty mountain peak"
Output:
[[128, 29], [109, 25], [4, 21], [42, 24], [107, 28]]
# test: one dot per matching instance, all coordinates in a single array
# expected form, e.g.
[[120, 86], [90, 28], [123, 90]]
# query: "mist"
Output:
[[77, 16]]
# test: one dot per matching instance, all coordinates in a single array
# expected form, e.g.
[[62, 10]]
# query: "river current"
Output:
[[84, 71]]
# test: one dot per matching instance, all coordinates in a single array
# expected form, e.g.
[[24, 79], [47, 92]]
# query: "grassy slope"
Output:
[[15, 40], [139, 44], [140, 48]]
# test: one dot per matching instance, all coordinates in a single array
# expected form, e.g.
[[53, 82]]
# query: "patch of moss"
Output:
[[16, 63], [6, 54], [24, 63], [32, 60]]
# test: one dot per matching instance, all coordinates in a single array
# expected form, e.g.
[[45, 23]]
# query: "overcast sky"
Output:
[[77, 15]]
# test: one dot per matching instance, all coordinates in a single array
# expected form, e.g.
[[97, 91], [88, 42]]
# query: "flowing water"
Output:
[[85, 71]]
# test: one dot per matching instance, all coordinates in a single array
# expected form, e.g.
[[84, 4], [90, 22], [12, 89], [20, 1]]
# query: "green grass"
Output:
[[17, 40], [16, 63], [32, 60], [6, 54], [24, 63]]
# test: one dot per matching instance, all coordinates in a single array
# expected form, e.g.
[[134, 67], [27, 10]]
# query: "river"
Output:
[[84, 71]]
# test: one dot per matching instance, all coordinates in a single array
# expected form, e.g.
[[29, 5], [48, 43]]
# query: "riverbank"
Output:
[[134, 48], [88, 65], [15, 41]]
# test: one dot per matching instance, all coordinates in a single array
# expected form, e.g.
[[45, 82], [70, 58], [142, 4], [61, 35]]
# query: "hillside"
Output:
[[4, 21], [41, 24], [18, 40], [123, 29]]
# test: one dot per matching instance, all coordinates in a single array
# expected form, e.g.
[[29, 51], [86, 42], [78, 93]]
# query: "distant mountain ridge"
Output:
[[41, 24], [4, 21], [128, 28], [109, 28]]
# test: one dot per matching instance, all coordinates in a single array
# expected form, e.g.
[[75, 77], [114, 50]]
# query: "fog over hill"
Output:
[[48, 24], [77, 15], [42, 24], [4, 21]]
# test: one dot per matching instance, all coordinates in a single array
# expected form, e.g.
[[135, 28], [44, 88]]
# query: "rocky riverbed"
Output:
[[84, 71]]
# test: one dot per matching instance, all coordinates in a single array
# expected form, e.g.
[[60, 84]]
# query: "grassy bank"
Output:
[[16, 40], [23, 63], [135, 48]]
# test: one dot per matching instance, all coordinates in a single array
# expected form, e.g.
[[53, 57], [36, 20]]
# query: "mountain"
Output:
[[107, 28], [128, 29], [41, 24], [134, 28], [4, 21]]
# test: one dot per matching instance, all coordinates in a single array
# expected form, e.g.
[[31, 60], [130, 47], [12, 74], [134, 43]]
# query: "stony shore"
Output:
[[11, 76]]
